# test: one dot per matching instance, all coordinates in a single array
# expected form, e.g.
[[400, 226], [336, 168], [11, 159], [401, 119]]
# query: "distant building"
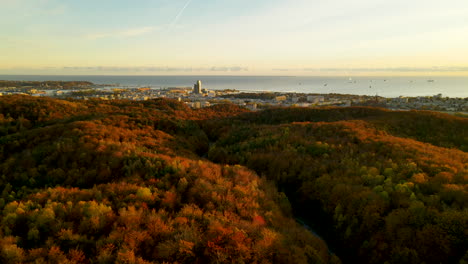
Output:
[[403, 99], [315, 99], [251, 106], [280, 98], [197, 88], [195, 105], [212, 93], [294, 99], [346, 103]]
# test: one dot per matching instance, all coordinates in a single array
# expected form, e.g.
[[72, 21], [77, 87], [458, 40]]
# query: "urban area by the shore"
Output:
[[198, 97]]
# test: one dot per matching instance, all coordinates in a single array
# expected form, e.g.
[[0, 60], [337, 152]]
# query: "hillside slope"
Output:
[[120, 181], [375, 183]]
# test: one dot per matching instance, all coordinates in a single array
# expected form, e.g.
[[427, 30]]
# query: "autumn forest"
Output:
[[158, 182]]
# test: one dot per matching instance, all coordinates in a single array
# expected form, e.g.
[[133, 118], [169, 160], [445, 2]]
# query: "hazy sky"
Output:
[[241, 37]]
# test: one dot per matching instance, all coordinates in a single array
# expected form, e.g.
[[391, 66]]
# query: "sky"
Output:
[[226, 37]]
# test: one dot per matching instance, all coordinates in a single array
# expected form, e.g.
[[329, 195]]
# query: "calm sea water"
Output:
[[382, 86]]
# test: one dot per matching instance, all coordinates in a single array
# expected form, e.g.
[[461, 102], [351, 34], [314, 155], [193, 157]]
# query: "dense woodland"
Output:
[[45, 84], [157, 182], [380, 186], [121, 181]]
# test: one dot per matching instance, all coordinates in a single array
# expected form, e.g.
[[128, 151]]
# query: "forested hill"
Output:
[[436, 128], [155, 181], [380, 186], [123, 182]]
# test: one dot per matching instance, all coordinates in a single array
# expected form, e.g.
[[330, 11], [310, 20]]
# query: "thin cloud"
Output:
[[123, 33], [227, 69], [389, 69], [401, 69], [156, 69]]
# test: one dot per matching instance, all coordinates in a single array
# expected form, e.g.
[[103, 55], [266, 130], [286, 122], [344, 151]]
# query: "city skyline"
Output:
[[203, 37]]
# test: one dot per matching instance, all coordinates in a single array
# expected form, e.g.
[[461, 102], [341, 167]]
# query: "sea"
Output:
[[381, 86]]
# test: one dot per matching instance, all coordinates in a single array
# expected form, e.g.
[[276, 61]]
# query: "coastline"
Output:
[[384, 86]]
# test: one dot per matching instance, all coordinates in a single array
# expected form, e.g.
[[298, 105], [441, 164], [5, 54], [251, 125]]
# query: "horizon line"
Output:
[[439, 74]]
